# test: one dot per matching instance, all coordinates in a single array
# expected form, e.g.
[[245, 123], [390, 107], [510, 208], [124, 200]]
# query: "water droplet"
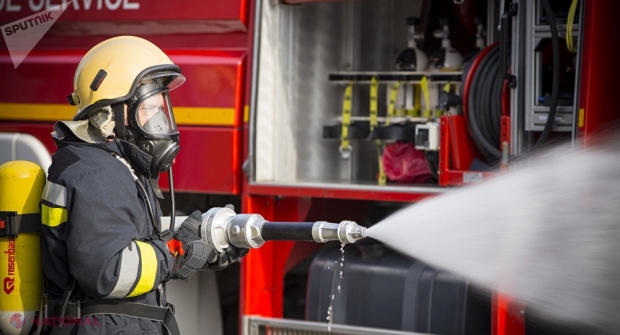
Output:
[[330, 316]]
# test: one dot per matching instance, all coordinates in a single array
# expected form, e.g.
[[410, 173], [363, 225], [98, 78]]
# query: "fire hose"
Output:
[[221, 227]]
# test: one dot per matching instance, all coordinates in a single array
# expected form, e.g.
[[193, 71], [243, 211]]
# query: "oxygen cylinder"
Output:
[[412, 58], [21, 186], [447, 58]]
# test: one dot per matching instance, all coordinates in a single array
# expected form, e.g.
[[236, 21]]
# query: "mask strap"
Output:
[[155, 186], [119, 120]]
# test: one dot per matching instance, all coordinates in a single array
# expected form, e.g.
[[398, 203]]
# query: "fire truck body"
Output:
[[257, 96]]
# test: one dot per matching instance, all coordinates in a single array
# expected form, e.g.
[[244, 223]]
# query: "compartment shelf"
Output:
[[341, 190], [364, 77]]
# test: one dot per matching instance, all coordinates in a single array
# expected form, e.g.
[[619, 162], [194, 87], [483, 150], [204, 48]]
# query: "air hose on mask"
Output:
[[172, 204]]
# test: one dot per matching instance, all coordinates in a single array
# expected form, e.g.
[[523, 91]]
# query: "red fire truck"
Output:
[[266, 78]]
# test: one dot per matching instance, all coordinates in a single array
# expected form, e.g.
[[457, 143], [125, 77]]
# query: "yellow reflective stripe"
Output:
[[36, 112], [53, 216], [146, 283], [130, 262], [200, 116]]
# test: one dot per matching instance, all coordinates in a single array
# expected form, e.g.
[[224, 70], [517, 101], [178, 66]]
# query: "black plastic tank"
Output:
[[384, 289]]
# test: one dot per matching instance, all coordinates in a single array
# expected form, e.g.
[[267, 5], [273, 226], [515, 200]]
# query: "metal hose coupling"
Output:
[[345, 231], [222, 227]]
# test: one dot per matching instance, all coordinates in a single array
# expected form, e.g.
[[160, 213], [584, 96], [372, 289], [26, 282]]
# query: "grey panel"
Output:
[[318, 49], [300, 45]]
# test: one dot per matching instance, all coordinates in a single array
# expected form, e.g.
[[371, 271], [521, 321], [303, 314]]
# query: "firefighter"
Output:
[[104, 255]]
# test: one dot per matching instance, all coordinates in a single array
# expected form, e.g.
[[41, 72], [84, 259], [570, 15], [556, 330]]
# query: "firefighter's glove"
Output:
[[191, 252], [220, 261]]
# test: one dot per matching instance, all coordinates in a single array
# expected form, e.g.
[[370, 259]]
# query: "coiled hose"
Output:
[[484, 104], [482, 96]]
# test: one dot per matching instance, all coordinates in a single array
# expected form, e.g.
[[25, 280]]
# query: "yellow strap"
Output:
[[446, 88], [374, 89], [427, 98], [417, 96], [146, 283], [393, 95], [345, 146], [382, 177], [569, 26]]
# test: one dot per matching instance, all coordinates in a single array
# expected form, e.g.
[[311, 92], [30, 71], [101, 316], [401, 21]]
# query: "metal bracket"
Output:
[[505, 24], [11, 223]]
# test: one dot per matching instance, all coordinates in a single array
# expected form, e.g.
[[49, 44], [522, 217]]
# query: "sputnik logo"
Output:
[[17, 320], [22, 35]]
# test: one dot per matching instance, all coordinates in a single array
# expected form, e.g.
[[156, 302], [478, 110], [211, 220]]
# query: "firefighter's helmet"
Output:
[[111, 71]]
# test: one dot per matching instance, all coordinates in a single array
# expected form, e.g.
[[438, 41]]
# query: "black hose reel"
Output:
[[484, 102]]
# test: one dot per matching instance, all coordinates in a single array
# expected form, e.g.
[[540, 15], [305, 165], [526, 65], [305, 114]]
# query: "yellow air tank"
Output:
[[21, 186]]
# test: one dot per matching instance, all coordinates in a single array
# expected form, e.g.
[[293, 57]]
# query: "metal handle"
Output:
[[505, 25]]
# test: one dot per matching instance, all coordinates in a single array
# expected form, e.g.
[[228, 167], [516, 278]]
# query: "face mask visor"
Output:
[[153, 115], [170, 79]]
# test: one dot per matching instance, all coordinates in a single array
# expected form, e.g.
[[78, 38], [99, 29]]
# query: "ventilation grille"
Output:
[[254, 325]]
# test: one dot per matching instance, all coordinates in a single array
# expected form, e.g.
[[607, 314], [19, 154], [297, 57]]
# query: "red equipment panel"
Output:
[[212, 97], [209, 161], [599, 68], [458, 151], [41, 78], [262, 270], [219, 16], [507, 316], [214, 77]]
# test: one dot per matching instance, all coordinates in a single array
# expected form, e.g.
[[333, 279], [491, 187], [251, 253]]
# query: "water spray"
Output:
[[222, 227]]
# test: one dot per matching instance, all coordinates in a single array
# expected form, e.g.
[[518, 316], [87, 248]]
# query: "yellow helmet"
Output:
[[110, 72]]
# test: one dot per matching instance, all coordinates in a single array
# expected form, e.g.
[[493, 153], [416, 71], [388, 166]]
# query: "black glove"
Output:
[[220, 261], [191, 252]]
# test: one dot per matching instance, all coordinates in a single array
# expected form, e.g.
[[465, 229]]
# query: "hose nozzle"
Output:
[[345, 231], [222, 227]]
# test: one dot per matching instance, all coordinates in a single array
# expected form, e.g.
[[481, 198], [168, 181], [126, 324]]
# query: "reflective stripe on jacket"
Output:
[[94, 217]]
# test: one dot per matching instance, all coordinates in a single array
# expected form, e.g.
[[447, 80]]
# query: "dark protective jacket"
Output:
[[95, 220]]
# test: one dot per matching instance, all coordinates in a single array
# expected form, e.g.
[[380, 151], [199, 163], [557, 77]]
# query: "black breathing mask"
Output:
[[151, 124]]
